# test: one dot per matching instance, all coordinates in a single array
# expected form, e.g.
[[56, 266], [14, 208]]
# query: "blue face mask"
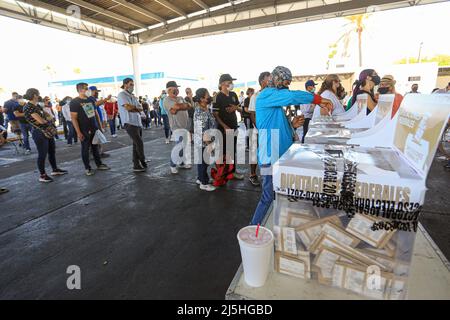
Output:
[[313, 90]]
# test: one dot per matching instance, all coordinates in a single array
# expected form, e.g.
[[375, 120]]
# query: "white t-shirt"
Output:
[[338, 108], [252, 105]]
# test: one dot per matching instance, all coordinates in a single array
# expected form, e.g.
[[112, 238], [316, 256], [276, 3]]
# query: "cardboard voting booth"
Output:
[[347, 216], [340, 132]]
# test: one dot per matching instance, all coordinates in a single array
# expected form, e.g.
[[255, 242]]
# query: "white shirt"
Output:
[[252, 105], [338, 108], [66, 112]]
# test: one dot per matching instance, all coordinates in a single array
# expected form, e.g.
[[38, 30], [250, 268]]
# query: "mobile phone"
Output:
[[298, 113]]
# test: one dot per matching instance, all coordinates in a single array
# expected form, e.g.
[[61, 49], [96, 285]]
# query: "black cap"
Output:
[[126, 81], [172, 84], [226, 77]]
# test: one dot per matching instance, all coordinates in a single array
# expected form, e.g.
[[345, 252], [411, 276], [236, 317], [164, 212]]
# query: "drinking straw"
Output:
[[257, 230]]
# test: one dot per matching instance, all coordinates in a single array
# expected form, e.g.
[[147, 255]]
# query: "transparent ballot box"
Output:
[[354, 253]]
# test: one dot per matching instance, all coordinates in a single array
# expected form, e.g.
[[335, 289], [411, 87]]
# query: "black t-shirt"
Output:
[[246, 105], [145, 106], [223, 101], [85, 110]]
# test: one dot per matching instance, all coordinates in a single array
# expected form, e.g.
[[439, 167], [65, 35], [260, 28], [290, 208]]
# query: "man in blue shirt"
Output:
[[275, 132], [9, 108]]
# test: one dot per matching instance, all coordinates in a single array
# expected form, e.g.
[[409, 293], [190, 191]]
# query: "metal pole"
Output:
[[136, 68]]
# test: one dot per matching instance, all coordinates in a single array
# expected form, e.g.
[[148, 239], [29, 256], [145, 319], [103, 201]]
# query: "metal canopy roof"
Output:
[[147, 21]]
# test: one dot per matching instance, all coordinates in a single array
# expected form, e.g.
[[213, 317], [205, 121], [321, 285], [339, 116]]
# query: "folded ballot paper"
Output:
[[346, 216], [340, 132]]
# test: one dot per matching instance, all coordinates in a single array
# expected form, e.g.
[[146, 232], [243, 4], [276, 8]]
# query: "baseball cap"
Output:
[[226, 77], [310, 83], [125, 81], [172, 84], [92, 88]]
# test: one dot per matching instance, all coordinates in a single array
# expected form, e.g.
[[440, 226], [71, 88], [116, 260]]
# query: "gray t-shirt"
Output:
[[180, 120]]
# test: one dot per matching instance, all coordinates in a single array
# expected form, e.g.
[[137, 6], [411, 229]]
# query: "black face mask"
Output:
[[209, 100], [376, 80], [384, 90]]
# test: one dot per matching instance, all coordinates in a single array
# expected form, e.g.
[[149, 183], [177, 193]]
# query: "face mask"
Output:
[[130, 90], [384, 90], [231, 87], [313, 90], [176, 92], [68, 101], [376, 80], [88, 93]]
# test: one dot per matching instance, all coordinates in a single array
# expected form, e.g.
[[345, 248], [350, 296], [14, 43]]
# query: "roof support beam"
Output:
[[172, 7], [107, 13], [46, 6], [202, 4], [348, 7], [140, 10]]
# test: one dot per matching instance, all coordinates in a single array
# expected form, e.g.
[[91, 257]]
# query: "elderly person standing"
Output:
[[387, 86], [177, 109], [130, 115]]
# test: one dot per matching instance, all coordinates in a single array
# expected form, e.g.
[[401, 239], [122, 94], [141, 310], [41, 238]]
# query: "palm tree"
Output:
[[356, 23]]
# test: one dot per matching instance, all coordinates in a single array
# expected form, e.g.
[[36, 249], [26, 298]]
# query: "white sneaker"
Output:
[[174, 170], [186, 166], [167, 141], [114, 135], [207, 187], [198, 182]]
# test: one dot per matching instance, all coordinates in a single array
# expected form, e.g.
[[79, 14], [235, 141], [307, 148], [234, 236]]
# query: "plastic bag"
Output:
[[99, 138]]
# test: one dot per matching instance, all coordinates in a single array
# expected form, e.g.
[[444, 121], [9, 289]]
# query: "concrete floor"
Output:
[[145, 236]]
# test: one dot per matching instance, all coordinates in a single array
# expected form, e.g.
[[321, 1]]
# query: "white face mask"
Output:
[[88, 93], [41, 104], [130, 89]]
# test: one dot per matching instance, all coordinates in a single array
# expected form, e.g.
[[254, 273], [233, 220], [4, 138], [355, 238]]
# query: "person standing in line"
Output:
[[157, 112], [43, 133], [112, 110], [203, 121], [271, 116], [25, 127], [368, 79], [85, 120], [98, 103], [146, 110], [8, 109], [329, 90], [308, 109], [387, 86], [61, 120], [225, 106], [65, 109], [189, 100], [165, 116], [263, 81], [130, 113], [414, 89], [249, 125], [48, 108], [177, 109]]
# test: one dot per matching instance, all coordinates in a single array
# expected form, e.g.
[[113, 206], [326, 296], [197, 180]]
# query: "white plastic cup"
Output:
[[256, 254]]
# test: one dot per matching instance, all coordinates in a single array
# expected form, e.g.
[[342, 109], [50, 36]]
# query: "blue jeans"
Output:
[[165, 118], [265, 201], [71, 135], [112, 125], [202, 171], [45, 146], [173, 164], [26, 129]]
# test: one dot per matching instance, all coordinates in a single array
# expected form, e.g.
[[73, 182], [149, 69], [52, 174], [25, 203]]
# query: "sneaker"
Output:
[[114, 135], [103, 167], [167, 141], [59, 172], [3, 190], [186, 166], [27, 151], [174, 170], [207, 187], [70, 145], [254, 181], [45, 178], [198, 182], [139, 169], [89, 172], [238, 176]]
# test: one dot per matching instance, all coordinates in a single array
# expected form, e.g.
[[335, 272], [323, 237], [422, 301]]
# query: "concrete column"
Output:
[[136, 68]]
